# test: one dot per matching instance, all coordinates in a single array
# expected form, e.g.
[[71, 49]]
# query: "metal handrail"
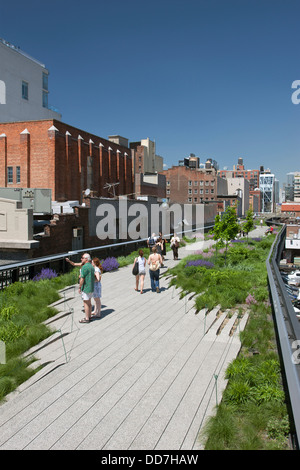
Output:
[[288, 329], [46, 260]]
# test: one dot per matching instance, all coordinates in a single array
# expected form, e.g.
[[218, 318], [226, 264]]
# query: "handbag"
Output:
[[135, 269]]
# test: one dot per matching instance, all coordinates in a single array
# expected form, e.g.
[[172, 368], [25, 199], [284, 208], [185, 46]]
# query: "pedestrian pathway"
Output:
[[146, 375]]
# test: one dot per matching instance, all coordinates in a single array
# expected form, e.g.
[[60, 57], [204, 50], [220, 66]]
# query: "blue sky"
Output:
[[209, 77]]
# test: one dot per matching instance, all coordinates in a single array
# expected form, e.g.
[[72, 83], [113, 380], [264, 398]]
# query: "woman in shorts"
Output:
[[97, 287], [142, 271]]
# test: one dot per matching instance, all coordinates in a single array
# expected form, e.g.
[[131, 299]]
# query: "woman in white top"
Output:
[[97, 287], [142, 271]]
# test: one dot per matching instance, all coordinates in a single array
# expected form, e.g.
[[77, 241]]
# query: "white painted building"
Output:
[[23, 87], [240, 187], [267, 187]]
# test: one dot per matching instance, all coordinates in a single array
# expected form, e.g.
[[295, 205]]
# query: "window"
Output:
[[189, 199], [190, 191], [18, 174], [190, 183], [10, 174], [45, 99], [45, 90], [45, 81], [24, 90]]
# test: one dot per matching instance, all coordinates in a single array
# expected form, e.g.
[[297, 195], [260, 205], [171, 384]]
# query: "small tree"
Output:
[[226, 228], [249, 224]]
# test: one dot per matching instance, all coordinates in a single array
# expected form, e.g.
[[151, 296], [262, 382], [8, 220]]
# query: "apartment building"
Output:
[[24, 86], [191, 183]]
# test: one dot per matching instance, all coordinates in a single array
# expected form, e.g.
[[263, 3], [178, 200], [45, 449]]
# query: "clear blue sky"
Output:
[[210, 77]]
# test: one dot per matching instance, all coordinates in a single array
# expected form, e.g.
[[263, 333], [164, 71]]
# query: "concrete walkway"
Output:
[[144, 376]]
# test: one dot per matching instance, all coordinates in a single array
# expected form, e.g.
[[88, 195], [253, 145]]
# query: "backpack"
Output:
[[154, 265]]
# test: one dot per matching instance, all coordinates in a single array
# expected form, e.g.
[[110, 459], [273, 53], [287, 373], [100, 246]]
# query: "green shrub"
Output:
[[10, 332]]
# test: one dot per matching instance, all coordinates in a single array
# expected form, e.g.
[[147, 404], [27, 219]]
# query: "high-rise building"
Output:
[[267, 187], [297, 186], [289, 186]]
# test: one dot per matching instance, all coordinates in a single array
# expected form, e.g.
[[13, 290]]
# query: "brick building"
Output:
[[185, 184], [52, 154], [290, 209], [240, 172]]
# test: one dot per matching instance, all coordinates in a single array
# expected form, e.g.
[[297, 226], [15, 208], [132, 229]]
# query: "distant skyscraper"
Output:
[[297, 186]]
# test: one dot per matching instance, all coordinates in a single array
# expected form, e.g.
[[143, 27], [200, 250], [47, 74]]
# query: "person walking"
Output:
[[97, 287], [175, 245], [154, 262], [140, 277], [164, 248], [86, 286], [159, 246], [151, 241]]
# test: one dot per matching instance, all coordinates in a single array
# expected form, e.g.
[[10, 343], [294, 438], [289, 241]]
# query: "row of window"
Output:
[[190, 191], [190, 199], [201, 183], [25, 90], [10, 174]]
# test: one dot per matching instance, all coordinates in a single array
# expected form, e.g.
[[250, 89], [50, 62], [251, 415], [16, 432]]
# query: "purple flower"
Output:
[[109, 264], [46, 273], [199, 263], [250, 300]]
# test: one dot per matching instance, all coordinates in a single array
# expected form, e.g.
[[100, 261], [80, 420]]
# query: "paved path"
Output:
[[144, 376]]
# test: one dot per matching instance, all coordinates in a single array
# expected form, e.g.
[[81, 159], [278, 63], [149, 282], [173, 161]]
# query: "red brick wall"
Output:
[[58, 159], [179, 177], [59, 233]]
